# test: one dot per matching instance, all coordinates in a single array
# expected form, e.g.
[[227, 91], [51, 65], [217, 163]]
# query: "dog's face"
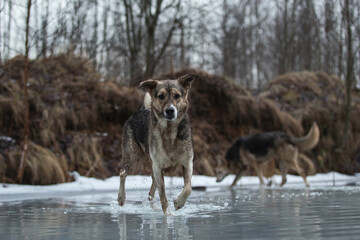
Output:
[[221, 173], [169, 97]]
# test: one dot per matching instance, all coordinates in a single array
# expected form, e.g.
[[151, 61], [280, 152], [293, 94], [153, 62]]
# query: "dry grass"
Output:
[[85, 155], [76, 118], [42, 166], [69, 105]]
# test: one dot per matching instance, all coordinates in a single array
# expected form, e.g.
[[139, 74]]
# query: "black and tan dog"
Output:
[[256, 150], [160, 132]]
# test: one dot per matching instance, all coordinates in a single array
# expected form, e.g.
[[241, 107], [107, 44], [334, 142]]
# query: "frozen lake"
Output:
[[320, 212]]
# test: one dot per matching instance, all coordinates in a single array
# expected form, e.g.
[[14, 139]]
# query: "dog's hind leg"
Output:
[[300, 171], [258, 170], [283, 154], [284, 170], [121, 194], [181, 200], [302, 174], [238, 176], [159, 179]]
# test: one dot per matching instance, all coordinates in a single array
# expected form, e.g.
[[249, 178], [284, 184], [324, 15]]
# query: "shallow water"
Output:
[[217, 213]]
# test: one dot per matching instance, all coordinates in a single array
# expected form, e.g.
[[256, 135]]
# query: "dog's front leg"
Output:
[[238, 176], [284, 170], [152, 192], [181, 200], [121, 194], [159, 179], [152, 189]]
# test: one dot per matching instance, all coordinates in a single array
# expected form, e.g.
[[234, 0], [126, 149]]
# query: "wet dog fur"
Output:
[[255, 151], [160, 132]]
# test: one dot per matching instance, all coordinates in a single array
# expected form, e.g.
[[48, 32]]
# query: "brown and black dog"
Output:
[[160, 132], [256, 150]]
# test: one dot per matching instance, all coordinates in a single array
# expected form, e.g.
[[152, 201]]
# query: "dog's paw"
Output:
[[153, 206], [121, 200], [178, 204], [167, 212]]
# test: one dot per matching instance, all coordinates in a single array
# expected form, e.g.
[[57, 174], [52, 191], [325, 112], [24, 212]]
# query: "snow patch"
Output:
[[83, 185]]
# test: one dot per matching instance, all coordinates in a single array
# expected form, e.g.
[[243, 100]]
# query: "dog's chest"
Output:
[[165, 149]]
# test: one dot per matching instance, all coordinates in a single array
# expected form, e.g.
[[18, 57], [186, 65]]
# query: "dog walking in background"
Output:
[[256, 150], [160, 131]]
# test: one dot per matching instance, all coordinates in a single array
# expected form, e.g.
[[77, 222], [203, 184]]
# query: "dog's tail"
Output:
[[147, 101], [309, 141], [306, 164]]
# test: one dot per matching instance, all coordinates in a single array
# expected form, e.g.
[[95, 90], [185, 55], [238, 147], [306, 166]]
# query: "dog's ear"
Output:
[[186, 80], [148, 85]]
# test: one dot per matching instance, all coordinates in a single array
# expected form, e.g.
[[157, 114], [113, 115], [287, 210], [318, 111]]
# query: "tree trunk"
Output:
[[349, 69], [44, 30], [150, 54], [135, 71], [26, 102], [8, 31]]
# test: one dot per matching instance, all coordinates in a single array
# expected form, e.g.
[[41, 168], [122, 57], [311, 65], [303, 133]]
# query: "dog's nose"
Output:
[[169, 111]]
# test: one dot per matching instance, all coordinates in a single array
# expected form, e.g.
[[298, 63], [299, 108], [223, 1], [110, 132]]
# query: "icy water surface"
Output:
[[217, 213]]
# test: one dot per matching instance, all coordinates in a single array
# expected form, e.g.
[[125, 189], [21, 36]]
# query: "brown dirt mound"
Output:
[[42, 167], [317, 96], [72, 111], [76, 117], [295, 90]]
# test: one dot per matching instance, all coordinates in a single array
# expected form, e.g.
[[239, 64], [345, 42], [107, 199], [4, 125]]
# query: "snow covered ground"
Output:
[[84, 185]]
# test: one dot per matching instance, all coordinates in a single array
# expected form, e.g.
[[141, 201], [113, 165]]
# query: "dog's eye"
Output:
[[177, 96], [161, 97]]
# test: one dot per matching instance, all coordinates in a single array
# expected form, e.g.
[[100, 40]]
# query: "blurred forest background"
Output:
[[69, 71]]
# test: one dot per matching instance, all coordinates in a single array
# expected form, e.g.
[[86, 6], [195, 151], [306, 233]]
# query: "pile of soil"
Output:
[[76, 118], [74, 114]]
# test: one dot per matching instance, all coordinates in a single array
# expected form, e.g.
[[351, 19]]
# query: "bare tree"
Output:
[[104, 44], [60, 36], [44, 29], [309, 36], [92, 45], [228, 41], [284, 40], [154, 52], [134, 34], [78, 21], [259, 45], [244, 40], [330, 36], [0, 35], [347, 11], [26, 101], [8, 36], [142, 22]]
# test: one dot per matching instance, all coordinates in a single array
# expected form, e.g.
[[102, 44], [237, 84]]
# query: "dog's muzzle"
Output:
[[220, 179], [170, 113]]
